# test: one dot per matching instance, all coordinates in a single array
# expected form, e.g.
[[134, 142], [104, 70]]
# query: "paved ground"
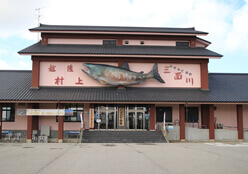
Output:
[[124, 158]]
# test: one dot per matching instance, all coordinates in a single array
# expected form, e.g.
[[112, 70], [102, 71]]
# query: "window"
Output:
[[182, 44], [8, 112], [77, 109], [160, 114], [191, 114], [109, 42]]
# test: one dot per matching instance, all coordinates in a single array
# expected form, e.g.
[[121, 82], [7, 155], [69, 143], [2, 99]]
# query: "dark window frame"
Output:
[[169, 117], [190, 118], [76, 111], [5, 108]]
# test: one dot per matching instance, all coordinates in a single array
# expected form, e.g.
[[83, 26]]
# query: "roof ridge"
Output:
[[105, 26]]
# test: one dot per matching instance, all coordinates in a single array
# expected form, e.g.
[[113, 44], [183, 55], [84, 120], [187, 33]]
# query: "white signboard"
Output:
[[47, 112]]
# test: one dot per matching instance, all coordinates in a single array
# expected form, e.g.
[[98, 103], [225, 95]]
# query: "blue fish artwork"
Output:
[[119, 76]]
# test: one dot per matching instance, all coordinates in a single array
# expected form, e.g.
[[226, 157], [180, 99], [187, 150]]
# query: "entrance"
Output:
[[111, 117]]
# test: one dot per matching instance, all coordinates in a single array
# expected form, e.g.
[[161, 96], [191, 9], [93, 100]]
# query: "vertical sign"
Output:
[[82, 123], [91, 110], [121, 116]]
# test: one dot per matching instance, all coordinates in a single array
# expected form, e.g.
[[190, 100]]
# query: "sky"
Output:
[[226, 21]]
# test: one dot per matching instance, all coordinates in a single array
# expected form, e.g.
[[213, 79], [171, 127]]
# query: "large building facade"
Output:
[[124, 78]]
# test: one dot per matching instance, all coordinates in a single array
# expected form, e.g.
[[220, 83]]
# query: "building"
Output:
[[114, 77]]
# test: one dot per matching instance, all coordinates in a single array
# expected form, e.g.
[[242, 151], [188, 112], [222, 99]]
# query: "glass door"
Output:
[[111, 119], [140, 120], [131, 120]]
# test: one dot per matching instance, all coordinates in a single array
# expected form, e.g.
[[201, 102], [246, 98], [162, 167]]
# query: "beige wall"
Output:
[[226, 114], [20, 121], [151, 42], [75, 41], [51, 120]]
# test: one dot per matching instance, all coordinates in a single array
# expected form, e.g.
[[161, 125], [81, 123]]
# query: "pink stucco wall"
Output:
[[47, 78], [75, 41], [20, 121], [198, 44], [168, 73], [245, 116], [174, 75], [51, 120], [226, 114], [151, 42], [48, 120]]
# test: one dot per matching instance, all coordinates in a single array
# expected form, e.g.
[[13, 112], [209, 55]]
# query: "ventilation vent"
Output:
[[109, 42], [182, 44]]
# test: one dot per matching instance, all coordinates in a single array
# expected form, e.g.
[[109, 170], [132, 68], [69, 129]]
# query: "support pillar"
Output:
[[1, 124], [182, 121], [240, 122], [29, 125], [61, 126], [86, 116], [211, 123], [152, 117]]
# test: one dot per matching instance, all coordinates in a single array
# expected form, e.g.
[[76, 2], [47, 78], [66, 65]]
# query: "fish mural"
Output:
[[119, 76]]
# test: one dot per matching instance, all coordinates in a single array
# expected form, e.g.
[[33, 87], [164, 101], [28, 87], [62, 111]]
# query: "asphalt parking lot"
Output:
[[124, 158]]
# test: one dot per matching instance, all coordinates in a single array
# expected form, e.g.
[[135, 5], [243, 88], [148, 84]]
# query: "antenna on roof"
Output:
[[38, 18], [38, 15]]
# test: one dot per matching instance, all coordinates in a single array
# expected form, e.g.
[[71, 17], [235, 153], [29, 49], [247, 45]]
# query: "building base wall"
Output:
[[226, 135], [245, 135], [196, 134], [174, 133]]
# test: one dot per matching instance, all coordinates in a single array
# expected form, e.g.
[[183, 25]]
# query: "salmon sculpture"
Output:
[[119, 76]]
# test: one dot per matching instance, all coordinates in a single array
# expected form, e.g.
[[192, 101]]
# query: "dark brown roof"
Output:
[[229, 88], [38, 48], [44, 28]]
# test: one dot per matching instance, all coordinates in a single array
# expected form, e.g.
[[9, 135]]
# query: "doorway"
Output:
[[111, 117]]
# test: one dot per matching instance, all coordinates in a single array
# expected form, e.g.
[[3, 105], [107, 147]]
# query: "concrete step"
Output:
[[123, 137]]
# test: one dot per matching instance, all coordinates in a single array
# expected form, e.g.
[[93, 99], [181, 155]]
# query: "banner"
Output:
[[45, 112]]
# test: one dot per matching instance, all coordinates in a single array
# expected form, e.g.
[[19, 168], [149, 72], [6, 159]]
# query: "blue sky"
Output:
[[226, 21]]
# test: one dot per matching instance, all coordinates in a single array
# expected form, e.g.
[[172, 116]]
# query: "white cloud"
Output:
[[224, 20], [27, 65], [237, 37], [4, 65]]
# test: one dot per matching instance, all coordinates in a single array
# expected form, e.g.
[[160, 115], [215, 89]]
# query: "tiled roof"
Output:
[[231, 88], [38, 48], [44, 27]]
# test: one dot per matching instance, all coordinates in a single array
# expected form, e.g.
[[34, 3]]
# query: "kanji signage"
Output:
[[121, 116], [91, 115]]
